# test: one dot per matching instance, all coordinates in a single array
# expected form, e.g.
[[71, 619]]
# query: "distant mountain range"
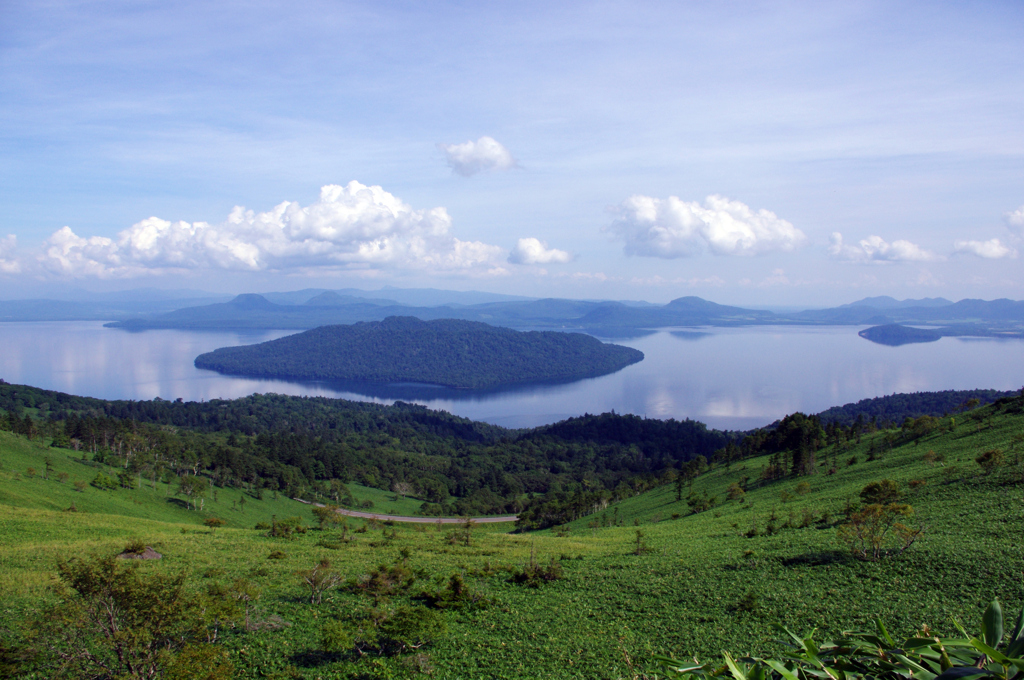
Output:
[[598, 317], [886, 302], [313, 307]]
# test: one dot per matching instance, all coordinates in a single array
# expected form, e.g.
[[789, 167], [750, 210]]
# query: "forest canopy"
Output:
[[449, 352]]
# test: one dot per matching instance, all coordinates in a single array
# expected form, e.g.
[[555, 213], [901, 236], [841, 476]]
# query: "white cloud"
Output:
[[8, 263], [777, 278], [875, 249], [671, 228], [1015, 221], [349, 227], [471, 157], [534, 251], [992, 249]]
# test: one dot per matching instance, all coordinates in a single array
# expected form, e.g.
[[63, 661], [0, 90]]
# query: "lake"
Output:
[[729, 378]]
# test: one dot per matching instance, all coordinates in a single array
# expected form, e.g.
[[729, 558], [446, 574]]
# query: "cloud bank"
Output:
[[534, 251], [470, 158], [992, 249], [875, 249], [671, 228], [349, 227]]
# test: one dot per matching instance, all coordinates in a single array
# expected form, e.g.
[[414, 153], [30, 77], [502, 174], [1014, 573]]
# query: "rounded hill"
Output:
[[449, 352]]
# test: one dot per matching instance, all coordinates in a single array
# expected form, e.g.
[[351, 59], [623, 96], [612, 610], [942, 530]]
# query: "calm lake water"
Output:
[[733, 378]]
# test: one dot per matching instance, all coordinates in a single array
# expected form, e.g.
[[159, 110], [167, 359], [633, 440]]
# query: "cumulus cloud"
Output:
[[534, 251], [876, 249], [470, 158], [992, 249], [671, 228], [1015, 221], [8, 262], [349, 227]]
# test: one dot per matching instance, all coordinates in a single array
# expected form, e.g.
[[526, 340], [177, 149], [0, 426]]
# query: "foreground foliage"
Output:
[[109, 621], [878, 655]]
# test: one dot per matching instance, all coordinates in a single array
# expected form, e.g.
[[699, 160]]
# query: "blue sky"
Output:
[[751, 153]]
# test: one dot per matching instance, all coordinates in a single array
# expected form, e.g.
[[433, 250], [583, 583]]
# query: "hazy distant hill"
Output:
[[886, 302], [449, 352], [328, 307], [928, 311], [111, 307]]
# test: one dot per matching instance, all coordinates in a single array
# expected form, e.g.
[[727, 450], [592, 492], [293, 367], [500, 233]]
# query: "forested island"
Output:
[[894, 334], [448, 352]]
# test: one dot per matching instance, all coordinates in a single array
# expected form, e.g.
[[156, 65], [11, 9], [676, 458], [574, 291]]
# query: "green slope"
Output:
[[703, 585]]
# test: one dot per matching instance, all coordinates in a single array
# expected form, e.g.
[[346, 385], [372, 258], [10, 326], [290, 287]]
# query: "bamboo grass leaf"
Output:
[[992, 624]]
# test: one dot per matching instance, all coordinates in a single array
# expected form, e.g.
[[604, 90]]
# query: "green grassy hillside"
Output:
[[702, 582]]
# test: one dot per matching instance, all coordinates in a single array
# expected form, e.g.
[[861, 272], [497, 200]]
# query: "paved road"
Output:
[[418, 520]]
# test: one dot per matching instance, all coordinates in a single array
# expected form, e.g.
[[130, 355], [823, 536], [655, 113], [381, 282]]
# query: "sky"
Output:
[[785, 153]]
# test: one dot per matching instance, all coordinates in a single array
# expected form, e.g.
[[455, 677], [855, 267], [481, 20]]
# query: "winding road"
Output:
[[417, 520]]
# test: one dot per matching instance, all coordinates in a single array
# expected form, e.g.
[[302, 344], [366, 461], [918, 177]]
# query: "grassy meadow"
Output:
[[645, 576]]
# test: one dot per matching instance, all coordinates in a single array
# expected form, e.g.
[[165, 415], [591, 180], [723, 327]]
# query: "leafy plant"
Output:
[[878, 655]]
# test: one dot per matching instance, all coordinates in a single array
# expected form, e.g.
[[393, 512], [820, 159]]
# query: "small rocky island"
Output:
[[448, 352]]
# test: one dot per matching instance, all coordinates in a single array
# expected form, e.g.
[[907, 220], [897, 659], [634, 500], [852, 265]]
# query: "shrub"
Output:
[[701, 502], [533, 574], [286, 528], [384, 581], [276, 555], [990, 460], [326, 516], [134, 547], [883, 492], [319, 580], [876, 531], [385, 633], [457, 594], [748, 603], [85, 633], [104, 482]]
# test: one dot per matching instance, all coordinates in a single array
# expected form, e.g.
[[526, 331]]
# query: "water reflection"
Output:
[[735, 378]]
